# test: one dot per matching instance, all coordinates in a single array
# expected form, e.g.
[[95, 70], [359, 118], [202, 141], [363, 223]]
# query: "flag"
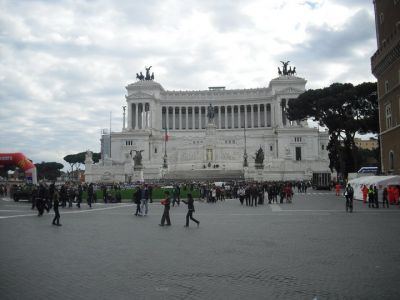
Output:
[[166, 135]]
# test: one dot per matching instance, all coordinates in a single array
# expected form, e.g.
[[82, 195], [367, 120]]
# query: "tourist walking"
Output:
[[136, 199], [90, 195], [144, 199], [79, 196], [385, 198], [349, 193], [167, 205], [376, 198], [56, 199], [371, 200], [190, 204]]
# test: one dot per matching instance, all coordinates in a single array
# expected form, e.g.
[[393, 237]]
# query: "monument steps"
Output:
[[215, 175]]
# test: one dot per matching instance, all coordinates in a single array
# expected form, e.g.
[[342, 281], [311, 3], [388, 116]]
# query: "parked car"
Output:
[[22, 192]]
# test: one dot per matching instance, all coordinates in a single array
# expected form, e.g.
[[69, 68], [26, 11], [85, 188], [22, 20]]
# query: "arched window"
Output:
[[391, 160]]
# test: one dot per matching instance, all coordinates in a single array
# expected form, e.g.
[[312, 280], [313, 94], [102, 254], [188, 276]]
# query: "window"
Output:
[[298, 153], [322, 147], [128, 143], [297, 139], [399, 69], [391, 160], [386, 86], [271, 148], [155, 150], [388, 111]]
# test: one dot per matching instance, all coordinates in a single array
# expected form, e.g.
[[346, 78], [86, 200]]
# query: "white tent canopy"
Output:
[[380, 181]]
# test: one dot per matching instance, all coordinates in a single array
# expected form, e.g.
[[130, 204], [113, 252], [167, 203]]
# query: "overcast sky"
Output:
[[64, 65]]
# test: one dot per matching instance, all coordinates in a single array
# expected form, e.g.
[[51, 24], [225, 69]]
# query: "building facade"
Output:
[[385, 64], [370, 144], [212, 134]]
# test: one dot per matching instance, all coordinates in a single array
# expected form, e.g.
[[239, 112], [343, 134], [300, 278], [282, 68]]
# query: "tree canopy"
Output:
[[79, 158], [49, 170], [345, 110]]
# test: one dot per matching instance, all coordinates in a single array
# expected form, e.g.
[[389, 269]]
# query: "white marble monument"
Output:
[[208, 133]]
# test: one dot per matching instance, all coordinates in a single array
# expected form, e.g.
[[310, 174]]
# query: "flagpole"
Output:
[[165, 164]]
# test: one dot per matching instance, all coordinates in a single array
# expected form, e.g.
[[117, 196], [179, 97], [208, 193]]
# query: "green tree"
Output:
[[49, 170], [75, 160], [345, 110]]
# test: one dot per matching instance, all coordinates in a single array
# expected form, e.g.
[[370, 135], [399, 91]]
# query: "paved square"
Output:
[[310, 249]]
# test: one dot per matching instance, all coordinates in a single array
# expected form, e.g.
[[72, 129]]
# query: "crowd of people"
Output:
[[44, 196]]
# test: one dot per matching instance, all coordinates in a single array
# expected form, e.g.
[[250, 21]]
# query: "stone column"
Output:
[[265, 115], [258, 115], [245, 116], [239, 117], [219, 117], [167, 117], [200, 116], [130, 116], [251, 116], [193, 118], [180, 117], [136, 116], [187, 117], [173, 118], [226, 116], [233, 116]]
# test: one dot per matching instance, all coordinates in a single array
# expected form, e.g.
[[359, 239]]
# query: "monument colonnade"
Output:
[[191, 117]]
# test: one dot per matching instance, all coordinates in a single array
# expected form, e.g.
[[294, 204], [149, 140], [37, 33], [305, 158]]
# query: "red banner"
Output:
[[16, 159]]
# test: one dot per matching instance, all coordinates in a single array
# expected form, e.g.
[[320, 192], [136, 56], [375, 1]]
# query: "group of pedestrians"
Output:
[[141, 199], [390, 196]]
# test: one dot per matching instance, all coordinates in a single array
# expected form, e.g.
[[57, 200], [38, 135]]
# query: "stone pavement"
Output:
[[310, 249]]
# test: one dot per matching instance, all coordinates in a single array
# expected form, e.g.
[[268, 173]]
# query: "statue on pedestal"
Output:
[[137, 159], [210, 113], [148, 77], [259, 159]]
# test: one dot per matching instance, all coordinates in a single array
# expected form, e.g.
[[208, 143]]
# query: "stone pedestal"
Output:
[[259, 166], [137, 174]]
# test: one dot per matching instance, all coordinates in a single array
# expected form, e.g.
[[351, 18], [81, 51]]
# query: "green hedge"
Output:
[[158, 193]]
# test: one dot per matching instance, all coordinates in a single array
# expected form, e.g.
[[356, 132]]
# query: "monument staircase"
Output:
[[205, 175]]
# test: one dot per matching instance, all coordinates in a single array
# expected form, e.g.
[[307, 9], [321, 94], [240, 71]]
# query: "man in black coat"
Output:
[[56, 220], [90, 195], [190, 204], [136, 198], [79, 196]]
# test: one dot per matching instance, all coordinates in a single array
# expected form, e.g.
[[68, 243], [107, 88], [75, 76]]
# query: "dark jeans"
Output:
[[56, 217], [190, 215], [89, 200], [165, 216], [137, 208]]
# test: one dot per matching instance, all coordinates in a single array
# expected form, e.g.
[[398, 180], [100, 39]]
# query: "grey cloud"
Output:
[[325, 46], [354, 3]]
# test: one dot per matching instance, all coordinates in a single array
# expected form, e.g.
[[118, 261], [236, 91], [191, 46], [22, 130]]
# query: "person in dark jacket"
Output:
[[136, 198], [385, 197], [56, 220], [190, 204], [79, 196], [167, 205], [376, 198], [90, 195]]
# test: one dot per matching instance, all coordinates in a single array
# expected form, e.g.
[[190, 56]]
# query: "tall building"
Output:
[[370, 144], [385, 64], [214, 133]]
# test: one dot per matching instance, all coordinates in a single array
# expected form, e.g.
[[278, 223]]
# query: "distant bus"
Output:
[[321, 180], [368, 170]]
